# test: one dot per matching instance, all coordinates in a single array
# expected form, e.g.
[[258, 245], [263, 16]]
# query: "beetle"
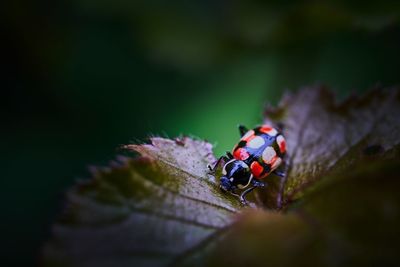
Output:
[[259, 152]]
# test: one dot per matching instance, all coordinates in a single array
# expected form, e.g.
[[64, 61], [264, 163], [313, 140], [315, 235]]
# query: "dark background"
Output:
[[82, 77]]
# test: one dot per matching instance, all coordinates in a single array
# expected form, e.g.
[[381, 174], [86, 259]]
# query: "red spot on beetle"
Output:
[[266, 129], [241, 154], [256, 169], [248, 136], [281, 143], [283, 146], [273, 160]]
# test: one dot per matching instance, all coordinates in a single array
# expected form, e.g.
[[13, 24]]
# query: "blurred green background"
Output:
[[82, 77]]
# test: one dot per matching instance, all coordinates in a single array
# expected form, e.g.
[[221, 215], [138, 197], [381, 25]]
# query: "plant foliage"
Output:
[[338, 206]]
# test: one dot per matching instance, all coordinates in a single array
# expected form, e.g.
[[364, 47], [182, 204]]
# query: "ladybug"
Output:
[[258, 153]]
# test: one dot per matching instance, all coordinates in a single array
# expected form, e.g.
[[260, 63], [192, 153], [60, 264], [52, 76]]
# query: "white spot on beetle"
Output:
[[281, 143], [248, 134], [272, 132], [268, 154], [256, 142]]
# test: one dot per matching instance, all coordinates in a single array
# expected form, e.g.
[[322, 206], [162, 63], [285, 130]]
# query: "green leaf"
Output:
[[163, 208]]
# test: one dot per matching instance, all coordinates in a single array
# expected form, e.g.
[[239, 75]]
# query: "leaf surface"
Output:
[[149, 211], [351, 220], [325, 136], [162, 208]]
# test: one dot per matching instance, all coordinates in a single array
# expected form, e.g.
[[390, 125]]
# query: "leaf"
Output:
[[351, 220], [143, 212], [324, 136], [163, 208]]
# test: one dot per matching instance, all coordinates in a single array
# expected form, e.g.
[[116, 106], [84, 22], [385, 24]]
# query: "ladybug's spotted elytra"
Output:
[[259, 153]]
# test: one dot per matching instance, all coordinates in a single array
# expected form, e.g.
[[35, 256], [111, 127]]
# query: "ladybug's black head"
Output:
[[225, 184], [235, 173]]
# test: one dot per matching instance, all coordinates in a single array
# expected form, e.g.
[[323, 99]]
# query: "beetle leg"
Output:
[[242, 130], [244, 193], [255, 184], [233, 192], [279, 173], [229, 155], [214, 168]]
